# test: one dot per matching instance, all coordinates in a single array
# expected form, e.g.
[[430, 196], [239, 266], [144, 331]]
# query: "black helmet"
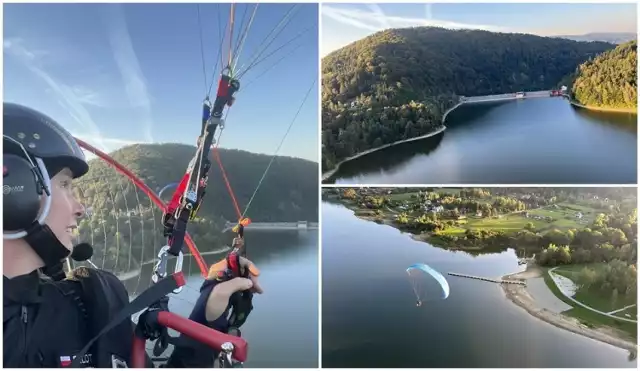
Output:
[[53, 149], [43, 138]]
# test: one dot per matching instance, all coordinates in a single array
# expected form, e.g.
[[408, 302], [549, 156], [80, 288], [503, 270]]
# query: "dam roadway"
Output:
[[496, 98], [275, 226]]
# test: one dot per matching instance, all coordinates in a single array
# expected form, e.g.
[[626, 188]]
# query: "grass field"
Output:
[[509, 224], [582, 208], [565, 216], [401, 196], [631, 312], [588, 317]]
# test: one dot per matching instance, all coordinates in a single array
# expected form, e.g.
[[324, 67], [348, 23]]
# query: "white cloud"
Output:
[[113, 143], [67, 96], [364, 19], [129, 66], [381, 17], [88, 96]]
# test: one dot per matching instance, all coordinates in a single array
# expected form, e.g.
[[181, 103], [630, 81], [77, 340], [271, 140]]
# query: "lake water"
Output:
[[282, 329], [370, 318], [531, 141]]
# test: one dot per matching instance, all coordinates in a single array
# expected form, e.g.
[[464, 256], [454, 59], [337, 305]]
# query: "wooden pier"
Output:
[[496, 280]]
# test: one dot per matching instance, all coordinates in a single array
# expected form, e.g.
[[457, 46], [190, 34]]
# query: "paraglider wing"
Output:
[[168, 186], [419, 274]]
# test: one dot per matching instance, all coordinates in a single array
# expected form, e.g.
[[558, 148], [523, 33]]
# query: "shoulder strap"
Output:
[[144, 300]]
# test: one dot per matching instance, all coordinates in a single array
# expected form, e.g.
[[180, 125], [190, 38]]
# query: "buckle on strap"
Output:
[[160, 270]]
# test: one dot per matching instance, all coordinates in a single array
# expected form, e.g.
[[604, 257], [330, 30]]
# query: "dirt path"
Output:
[[520, 296]]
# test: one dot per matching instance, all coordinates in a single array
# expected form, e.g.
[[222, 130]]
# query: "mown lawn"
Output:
[[565, 218], [402, 196], [506, 223], [582, 208]]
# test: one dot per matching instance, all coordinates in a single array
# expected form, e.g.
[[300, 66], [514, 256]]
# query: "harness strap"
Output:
[[148, 297]]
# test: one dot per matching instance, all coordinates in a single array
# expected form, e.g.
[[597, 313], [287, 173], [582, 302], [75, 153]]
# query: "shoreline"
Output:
[[520, 296], [328, 174], [331, 172], [604, 109]]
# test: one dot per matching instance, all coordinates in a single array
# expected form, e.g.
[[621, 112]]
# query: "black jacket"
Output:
[[45, 322]]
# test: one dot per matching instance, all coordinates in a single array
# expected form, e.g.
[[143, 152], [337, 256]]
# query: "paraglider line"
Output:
[[204, 68], [226, 181], [279, 146]]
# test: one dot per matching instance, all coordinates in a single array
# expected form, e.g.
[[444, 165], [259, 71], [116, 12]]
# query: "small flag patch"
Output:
[[65, 361]]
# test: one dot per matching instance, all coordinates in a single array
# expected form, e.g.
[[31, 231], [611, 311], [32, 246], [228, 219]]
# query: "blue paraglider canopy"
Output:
[[420, 276], [168, 186]]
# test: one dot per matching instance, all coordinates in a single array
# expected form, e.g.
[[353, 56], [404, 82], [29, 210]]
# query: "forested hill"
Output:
[[122, 216], [609, 80], [288, 192], [368, 86]]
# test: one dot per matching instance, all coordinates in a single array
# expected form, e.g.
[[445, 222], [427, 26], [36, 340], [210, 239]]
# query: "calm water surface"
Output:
[[370, 318], [541, 140]]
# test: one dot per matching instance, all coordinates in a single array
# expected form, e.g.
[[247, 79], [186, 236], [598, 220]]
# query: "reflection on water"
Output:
[[390, 157], [619, 120], [541, 140]]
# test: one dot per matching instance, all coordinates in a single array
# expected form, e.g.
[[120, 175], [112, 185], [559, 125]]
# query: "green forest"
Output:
[[397, 84], [608, 80], [125, 228]]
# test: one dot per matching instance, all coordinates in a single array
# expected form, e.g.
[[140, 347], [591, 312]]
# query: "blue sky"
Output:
[[345, 23], [115, 74]]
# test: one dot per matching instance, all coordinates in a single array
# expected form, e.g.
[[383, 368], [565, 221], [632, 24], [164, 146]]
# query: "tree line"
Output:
[[616, 278], [608, 80]]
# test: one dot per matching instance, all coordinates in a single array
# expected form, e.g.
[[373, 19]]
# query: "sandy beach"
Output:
[[520, 296]]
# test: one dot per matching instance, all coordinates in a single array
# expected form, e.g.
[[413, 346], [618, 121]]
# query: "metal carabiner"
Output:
[[226, 356], [160, 270]]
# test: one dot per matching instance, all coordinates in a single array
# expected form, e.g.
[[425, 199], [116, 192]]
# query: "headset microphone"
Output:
[[81, 252]]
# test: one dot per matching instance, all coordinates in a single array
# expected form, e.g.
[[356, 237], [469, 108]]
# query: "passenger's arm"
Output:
[[219, 298], [254, 272]]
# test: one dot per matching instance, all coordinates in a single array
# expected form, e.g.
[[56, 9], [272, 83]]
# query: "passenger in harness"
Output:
[[225, 302], [46, 320]]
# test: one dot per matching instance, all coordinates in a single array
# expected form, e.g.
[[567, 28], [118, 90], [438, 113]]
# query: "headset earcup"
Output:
[[20, 194]]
